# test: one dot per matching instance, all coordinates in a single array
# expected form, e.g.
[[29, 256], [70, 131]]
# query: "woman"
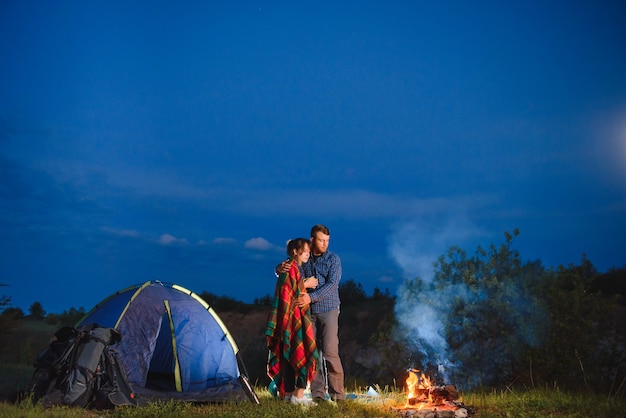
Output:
[[293, 353]]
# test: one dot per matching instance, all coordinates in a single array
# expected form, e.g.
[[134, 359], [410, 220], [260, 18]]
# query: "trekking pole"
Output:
[[324, 373], [98, 376]]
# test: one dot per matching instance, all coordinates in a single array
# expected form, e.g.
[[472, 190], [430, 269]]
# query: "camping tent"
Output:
[[174, 345]]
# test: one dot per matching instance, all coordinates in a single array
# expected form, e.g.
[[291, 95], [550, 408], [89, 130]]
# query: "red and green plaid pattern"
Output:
[[289, 331]]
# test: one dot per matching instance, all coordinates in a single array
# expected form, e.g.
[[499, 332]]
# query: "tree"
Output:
[[378, 294], [351, 292], [5, 301], [225, 303], [36, 311], [264, 301], [494, 318], [580, 326], [13, 313], [66, 318], [613, 282], [8, 317]]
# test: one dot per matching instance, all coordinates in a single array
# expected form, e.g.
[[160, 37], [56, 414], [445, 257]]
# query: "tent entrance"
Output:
[[164, 371]]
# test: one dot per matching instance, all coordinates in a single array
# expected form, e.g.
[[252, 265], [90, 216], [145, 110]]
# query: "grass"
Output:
[[549, 402], [269, 407], [544, 403]]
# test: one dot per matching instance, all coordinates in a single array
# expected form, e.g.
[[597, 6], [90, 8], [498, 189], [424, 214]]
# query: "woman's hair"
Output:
[[297, 245]]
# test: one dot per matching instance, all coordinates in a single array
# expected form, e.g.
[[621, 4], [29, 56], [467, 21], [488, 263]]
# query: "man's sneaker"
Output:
[[323, 401], [301, 401], [288, 398]]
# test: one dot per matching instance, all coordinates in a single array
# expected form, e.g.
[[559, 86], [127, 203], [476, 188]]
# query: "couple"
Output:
[[304, 319]]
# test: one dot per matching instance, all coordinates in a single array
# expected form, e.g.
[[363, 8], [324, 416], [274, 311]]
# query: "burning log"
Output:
[[436, 395], [425, 400]]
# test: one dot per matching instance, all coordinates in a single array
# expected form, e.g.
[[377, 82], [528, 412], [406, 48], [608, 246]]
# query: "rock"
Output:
[[461, 413]]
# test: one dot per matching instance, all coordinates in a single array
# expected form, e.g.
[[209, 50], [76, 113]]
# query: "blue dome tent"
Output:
[[174, 345]]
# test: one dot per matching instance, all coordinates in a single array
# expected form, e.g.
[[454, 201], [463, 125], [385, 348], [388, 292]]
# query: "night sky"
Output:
[[187, 141]]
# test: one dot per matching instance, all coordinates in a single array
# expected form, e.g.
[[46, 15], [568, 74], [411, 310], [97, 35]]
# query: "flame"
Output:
[[418, 387], [423, 393]]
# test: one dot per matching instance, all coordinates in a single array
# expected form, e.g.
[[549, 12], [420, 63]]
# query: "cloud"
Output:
[[167, 239], [386, 279], [259, 244], [117, 185], [352, 204], [120, 232], [137, 183], [224, 241]]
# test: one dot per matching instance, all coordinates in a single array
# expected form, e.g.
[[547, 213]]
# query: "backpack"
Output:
[[80, 367]]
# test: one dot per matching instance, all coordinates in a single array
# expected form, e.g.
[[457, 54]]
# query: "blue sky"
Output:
[[187, 142]]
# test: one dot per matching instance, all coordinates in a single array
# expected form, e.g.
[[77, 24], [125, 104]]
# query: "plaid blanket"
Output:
[[290, 332]]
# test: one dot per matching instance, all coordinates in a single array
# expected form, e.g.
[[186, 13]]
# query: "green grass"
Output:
[[544, 403], [269, 407], [524, 404]]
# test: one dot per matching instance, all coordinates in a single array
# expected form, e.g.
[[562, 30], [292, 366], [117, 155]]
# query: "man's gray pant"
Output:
[[326, 325]]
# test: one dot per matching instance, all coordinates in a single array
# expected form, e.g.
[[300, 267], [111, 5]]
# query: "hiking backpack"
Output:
[[80, 367]]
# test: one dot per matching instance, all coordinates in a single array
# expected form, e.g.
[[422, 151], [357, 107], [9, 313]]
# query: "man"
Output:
[[324, 299]]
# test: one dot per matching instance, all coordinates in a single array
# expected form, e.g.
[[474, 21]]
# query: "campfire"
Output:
[[427, 400]]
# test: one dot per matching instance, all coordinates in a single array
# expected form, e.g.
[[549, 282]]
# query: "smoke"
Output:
[[415, 246], [434, 318], [423, 317], [425, 331]]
